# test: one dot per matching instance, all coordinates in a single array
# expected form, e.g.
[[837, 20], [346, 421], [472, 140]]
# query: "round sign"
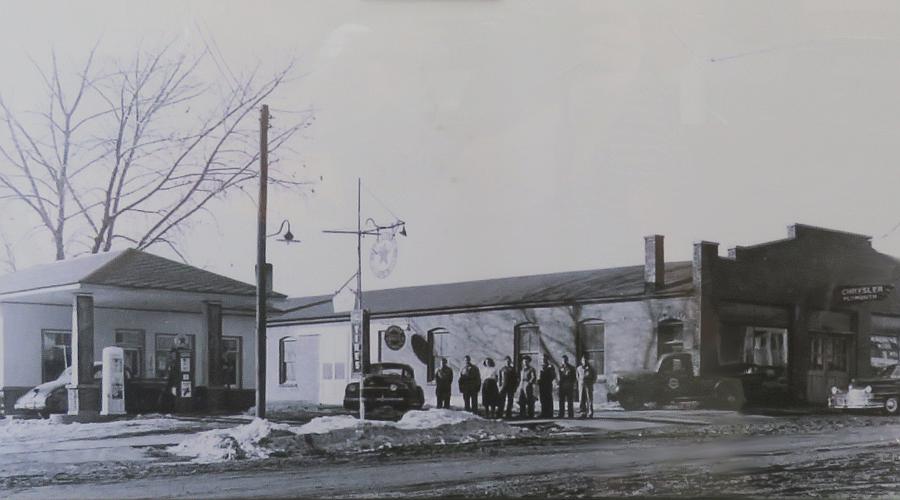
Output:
[[673, 383], [394, 338]]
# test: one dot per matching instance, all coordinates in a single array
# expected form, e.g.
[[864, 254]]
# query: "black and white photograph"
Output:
[[391, 249]]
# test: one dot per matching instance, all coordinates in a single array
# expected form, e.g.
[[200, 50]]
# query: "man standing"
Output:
[[508, 382], [470, 384], [443, 381], [545, 385], [586, 378], [527, 379], [566, 388]]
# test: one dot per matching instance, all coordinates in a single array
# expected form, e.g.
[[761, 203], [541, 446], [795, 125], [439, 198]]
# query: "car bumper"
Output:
[[852, 401], [351, 403]]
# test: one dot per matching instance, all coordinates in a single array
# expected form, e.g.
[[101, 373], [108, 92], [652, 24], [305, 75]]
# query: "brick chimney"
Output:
[[654, 263]]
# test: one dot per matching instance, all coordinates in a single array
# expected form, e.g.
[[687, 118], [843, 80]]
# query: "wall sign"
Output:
[[394, 338], [849, 294]]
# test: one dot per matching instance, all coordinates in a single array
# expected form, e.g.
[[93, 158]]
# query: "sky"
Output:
[[525, 137]]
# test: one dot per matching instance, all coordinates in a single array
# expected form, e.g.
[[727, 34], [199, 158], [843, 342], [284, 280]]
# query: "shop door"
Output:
[[829, 364], [307, 368]]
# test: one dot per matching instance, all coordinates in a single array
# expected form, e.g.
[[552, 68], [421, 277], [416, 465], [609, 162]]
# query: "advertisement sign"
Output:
[[394, 338], [849, 294], [359, 341]]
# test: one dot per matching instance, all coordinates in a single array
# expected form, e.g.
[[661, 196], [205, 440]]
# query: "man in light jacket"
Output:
[[586, 378]]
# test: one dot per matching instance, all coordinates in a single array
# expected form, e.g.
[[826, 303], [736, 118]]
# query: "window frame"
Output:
[[239, 360], [518, 353], [282, 362], [67, 352], [669, 325], [433, 356], [140, 347], [594, 354]]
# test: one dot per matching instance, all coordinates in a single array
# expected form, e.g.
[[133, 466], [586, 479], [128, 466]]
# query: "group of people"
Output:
[[500, 387]]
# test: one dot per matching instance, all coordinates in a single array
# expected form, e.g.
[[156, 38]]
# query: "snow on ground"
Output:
[[340, 433], [35, 431]]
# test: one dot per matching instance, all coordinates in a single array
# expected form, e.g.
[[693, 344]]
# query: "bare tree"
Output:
[[134, 150]]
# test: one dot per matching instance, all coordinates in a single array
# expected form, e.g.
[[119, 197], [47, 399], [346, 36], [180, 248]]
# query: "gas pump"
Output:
[[184, 399], [112, 386]]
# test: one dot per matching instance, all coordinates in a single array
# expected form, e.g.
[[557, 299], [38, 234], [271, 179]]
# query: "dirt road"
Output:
[[857, 460]]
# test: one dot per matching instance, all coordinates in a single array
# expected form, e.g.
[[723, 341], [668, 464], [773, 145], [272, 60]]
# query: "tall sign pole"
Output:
[[359, 317], [358, 310], [262, 285]]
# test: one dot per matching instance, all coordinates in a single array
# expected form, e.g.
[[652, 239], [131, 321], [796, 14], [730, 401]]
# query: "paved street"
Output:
[[620, 455]]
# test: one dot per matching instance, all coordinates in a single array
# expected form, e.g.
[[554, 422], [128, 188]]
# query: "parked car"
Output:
[[391, 385], [881, 392], [52, 397], [674, 381]]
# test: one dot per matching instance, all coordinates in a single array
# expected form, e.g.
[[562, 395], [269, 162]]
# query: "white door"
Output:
[[307, 368]]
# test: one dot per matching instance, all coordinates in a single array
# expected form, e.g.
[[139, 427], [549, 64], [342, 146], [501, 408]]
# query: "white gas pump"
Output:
[[112, 389]]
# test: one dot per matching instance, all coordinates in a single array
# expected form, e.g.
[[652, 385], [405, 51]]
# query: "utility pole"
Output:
[[262, 285]]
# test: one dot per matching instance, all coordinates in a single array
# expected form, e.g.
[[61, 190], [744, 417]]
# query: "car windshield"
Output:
[[389, 370], [891, 371]]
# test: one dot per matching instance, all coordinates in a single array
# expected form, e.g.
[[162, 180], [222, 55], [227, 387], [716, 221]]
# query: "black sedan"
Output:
[[386, 385], [881, 392]]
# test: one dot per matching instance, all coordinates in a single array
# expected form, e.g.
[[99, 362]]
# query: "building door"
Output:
[[829, 364], [307, 367]]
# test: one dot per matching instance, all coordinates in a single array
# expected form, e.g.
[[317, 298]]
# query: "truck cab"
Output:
[[673, 381]]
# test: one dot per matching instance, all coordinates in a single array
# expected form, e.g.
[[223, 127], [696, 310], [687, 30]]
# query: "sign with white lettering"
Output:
[[850, 294]]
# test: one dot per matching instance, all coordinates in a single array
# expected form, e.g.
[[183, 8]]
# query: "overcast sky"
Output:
[[524, 137]]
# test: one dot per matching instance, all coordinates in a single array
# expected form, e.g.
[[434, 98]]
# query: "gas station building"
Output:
[[56, 314]]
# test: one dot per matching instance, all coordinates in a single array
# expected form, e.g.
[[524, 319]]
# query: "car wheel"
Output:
[[892, 406], [630, 402]]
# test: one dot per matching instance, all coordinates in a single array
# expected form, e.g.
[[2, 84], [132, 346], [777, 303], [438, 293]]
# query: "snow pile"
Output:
[[323, 425], [341, 434], [243, 441], [430, 419]]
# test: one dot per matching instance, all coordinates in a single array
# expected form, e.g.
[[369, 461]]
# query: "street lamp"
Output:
[[288, 236]]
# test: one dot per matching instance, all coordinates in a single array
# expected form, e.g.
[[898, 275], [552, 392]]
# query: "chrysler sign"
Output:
[[862, 293]]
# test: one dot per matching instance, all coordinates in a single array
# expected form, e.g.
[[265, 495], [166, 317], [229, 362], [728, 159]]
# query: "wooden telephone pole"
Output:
[[262, 284]]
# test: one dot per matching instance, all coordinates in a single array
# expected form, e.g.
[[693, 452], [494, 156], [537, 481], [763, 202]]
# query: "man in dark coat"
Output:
[[443, 382], [508, 381], [470, 384], [546, 377], [566, 388]]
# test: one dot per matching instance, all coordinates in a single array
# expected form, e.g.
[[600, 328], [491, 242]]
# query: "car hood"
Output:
[[634, 375], [862, 382], [44, 390]]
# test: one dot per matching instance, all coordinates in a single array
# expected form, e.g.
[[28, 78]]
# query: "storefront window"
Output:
[[165, 342], [884, 350], [669, 337], [132, 343], [56, 353]]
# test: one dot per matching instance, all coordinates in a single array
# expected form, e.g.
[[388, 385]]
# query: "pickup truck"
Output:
[[674, 381]]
